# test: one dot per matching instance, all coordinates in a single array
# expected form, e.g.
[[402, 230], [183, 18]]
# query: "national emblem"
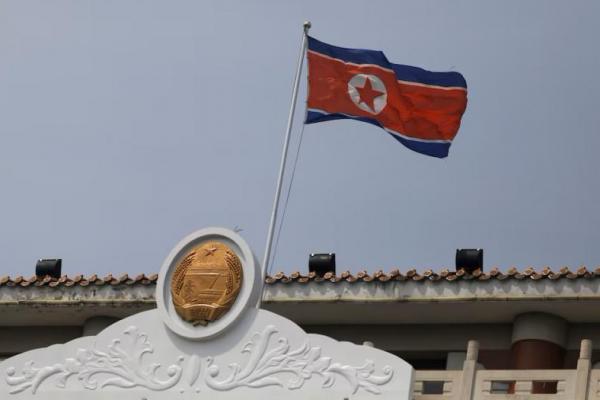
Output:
[[206, 283]]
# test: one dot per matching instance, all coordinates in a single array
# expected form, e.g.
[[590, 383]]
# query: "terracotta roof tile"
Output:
[[77, 280], [445, 274], [529, 273]]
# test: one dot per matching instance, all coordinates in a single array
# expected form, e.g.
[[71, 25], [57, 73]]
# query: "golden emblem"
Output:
[[206, 283]]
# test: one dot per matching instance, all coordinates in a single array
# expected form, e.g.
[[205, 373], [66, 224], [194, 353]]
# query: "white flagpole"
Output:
[[265, 264]]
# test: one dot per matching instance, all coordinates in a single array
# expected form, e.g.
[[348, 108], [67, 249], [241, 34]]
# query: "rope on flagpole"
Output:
[[265, 264], [287, 199]]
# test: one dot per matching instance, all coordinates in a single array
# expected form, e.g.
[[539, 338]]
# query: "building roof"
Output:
[[443, 297], [395, 275], [77, 280], [443, 274]]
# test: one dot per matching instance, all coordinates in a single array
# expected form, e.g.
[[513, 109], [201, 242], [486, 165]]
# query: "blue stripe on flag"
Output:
[[357, 56], [403, 72], [434, 149], [420, 75]]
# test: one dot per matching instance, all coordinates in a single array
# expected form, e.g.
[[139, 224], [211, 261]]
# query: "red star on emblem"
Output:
[[210, 252], [368, 94]]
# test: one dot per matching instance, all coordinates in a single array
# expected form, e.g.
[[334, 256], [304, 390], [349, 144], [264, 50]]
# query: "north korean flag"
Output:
[[421, 109]]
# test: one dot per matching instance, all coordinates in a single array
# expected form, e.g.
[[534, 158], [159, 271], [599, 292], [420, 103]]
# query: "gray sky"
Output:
[[125, 125]]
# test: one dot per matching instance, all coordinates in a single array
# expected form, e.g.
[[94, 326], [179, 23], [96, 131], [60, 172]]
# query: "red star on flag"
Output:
[[368, 94]]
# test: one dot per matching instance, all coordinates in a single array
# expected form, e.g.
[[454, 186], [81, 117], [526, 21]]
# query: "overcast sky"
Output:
[[125, 125]]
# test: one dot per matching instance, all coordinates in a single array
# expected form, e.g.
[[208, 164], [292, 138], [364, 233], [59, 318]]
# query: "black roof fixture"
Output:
[[48, 267], [321, 263], [469, 259]]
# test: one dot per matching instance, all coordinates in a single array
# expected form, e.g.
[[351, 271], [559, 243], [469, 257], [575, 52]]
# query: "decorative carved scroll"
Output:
[[120, 366], [270, 363], [279, 366]]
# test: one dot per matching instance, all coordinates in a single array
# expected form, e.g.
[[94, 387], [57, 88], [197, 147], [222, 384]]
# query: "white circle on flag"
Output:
[[367, 92]]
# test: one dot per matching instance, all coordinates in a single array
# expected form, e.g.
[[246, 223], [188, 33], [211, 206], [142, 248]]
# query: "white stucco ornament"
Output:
[[247, 353]]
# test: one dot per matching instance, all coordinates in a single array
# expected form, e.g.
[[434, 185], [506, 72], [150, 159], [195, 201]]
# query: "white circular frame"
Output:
[[359, 80], [164, 300]]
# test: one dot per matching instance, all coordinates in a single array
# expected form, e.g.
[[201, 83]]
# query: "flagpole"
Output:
[[265, 264]]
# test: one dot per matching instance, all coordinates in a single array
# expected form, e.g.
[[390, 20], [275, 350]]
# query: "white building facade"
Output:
[[517, 333]]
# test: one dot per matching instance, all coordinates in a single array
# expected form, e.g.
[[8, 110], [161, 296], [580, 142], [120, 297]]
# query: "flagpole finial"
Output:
[[307, 26]]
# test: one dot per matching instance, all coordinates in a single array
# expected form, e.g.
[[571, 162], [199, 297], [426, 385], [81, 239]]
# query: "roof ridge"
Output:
[[444, 274], [77, 280], [428, 274]]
